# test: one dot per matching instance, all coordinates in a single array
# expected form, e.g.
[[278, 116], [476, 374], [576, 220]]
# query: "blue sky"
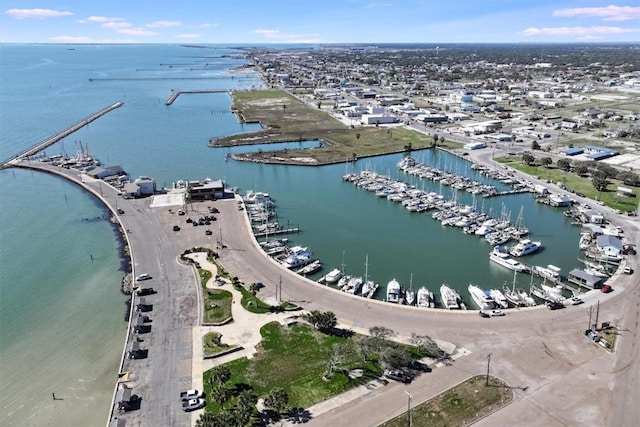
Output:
[[317, 21]]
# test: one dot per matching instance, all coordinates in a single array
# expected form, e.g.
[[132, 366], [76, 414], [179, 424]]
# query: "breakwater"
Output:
[[177, 93]]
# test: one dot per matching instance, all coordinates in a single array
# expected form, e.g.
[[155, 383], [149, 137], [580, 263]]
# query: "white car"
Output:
[[141, 277], [576, 301], [495, 313]]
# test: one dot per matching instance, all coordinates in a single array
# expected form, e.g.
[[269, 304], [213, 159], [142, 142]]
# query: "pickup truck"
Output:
[[192, 404], [190, 394]]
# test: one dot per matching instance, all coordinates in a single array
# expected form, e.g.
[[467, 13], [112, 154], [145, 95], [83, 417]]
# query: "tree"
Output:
[[546, 161], [253, 288], [441, 140], [277, 400], [367, 346], [581, 169], [209, 419], [535, 145], [394, 357], [321, 320], [220, 394], [528, 159], [357, 136], [564, 164], [319, 105], [219, 375], [599, 183], [244, 407], [435, 140], [341, 355], [629, 178], [425, 344], [380, 335]]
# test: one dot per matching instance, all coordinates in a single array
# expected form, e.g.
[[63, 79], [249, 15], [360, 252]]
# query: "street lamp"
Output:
[[409, 397]]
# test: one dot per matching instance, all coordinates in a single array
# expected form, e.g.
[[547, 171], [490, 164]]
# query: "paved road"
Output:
[[568, 380]]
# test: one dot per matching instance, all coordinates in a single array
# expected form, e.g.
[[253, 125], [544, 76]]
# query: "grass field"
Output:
[[217, 305], [285, 118], [461, 405], [211, 344], [576, 183]]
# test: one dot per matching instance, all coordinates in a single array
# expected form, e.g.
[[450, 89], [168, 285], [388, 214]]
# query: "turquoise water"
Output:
[[61, 315]]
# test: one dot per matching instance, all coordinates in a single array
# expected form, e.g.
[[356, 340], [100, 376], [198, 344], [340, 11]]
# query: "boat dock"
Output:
[[508, 192], [60, 135], [278, 231], [177, 93]]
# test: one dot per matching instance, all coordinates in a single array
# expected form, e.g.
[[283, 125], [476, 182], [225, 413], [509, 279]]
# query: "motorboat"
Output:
[[423, 298], [297, 257], [483, 300], [310, 268], [554, 291], [499, 298], [525, 247], [501, 257], [369, 288], [497, 238], [550, 272], [409, 296], [353, 285], [393, 291], [450, 298], [333, 276]]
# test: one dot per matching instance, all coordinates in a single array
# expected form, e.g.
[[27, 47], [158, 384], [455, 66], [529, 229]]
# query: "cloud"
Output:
[[269, 34], [164, 24], [136, 32], [70, 39], [116, 25], [608, 13], [99, 19], [576, 31], [36, 13], [190, 36], [206, 25]]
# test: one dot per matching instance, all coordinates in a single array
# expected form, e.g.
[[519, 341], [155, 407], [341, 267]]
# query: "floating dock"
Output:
[[281, 231]]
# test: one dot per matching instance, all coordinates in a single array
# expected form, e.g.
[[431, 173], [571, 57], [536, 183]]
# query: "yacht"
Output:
[[481, 298], [333, 276], [550, 272], [501, 257], [393, 291], [450, 298], [499, 298], [423, 298], [525, 247], [298, 257]]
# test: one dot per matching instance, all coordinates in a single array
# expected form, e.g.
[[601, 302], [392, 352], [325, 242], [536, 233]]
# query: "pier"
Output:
[[177, 93], [60, 135], [279, 231]]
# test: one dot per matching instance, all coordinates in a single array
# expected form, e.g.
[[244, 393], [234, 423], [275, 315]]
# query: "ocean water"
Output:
[[61, 314]]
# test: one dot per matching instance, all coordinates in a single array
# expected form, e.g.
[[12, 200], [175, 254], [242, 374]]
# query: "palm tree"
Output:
[[219, 375], [277, 400]]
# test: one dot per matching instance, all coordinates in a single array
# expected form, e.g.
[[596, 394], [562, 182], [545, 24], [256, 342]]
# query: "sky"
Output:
[[318, 21]]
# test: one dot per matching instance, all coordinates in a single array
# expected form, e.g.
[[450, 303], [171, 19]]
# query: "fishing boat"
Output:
[[450, 298], [333, 276], [310, 268], [423, 298], [393, 291]]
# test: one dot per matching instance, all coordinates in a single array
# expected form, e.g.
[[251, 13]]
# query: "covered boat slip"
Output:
[[584, 279]]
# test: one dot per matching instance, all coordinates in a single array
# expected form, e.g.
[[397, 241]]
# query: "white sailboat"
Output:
[[409, 294]]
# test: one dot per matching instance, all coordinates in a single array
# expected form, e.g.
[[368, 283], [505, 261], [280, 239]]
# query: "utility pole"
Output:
[[409, 397], [488, 365], [595, 325]]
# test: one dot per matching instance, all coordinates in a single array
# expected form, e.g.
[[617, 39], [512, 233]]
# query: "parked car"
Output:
[[176, 228], [576, 301], [418, 366], [495, 313], [398, 375], [605, 289], [143, 276], [120, 211], [192, 404], [552, 305], [145, 291], [207, 232], [483, 314], [191, 394]]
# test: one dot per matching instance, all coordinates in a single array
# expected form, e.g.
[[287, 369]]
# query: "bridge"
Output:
[[58, 136]]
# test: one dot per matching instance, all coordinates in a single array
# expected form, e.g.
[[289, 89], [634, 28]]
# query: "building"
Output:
[[206, 190], [598, 153], [146, 185], [584, 279], [474, 145], [610, 246]]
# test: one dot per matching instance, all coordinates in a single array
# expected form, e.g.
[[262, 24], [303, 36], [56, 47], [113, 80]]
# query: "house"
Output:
[[206, 190], [609, 245]]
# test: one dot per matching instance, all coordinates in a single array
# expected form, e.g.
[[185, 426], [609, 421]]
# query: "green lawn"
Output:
[[458, 406], [286, 118], [211, 344], [294, 358], [205, 275], [576, 183], [217, 305]]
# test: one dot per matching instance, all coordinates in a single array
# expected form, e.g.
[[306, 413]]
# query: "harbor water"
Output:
[[62, 326]]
